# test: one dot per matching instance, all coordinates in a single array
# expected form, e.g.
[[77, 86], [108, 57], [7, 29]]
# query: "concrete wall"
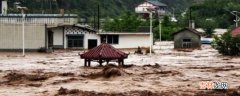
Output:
[[132, 41], [11, 36], [178, 39]]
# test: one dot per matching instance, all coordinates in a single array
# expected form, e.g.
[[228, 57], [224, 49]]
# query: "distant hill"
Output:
[[87, 8]]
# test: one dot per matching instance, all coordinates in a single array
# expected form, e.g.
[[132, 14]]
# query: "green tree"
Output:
[[227, 45], [128, 22], [218, 10], [168, 28], [208, 26]]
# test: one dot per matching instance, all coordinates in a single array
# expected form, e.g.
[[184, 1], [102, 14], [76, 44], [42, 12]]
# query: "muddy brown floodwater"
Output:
[[167, 72]]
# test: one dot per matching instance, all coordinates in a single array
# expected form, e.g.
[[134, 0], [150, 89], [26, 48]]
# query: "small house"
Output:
[[187, 38]]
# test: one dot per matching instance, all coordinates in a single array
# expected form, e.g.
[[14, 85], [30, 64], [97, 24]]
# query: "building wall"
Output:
[[90, 36], [196, 40], [142, 8], [132, 41], [11, 36], [0, 6], [58, 37], [78, 31], [4, 7]]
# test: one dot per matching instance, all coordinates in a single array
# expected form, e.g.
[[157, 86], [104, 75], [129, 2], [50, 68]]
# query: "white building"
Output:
[[126, 39], [36, 30], [80, 37], [143, 7], [61, 32]]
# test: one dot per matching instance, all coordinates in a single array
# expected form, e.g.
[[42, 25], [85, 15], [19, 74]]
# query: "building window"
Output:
[[110, 39], [187, 43], [75, 41]]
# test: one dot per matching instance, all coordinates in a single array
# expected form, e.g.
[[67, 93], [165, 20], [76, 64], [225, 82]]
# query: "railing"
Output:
[[161, 11], [39, 19], [39, 15]]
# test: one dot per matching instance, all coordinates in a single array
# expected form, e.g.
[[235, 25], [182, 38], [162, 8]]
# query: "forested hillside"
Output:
[[216, 11], [87, 8]]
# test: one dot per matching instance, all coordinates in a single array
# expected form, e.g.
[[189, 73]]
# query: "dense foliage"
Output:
[[87, 8], [227, 45], [219, 11], [127, 22], [167, 29], [208, 26]]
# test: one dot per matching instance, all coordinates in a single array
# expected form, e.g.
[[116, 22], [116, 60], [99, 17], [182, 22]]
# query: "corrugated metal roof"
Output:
[[104, 51], [236, 32]]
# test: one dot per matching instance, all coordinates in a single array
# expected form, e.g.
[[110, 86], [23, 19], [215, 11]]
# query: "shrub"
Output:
[[148, 50], [42, 50], [227, 45], [139, 51]]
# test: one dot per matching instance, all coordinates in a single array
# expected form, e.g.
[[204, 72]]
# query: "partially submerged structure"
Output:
[[59, 31], [187, 38], [103, 53]]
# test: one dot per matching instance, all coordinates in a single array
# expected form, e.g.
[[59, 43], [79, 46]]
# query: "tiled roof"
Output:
[[78, 26], [190, 30], [104, 51], [235, 32], [156, 3]]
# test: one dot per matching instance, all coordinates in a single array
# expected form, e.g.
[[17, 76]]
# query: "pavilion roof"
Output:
[[104, 51]]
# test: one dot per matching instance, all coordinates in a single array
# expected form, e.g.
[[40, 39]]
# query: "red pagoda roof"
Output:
[[104, 51], [235, 32]]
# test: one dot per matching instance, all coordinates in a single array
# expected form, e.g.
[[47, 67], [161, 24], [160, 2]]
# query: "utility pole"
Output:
[[94, 19], [237, 19], [23, 27], [150, 11], [23, 31], [151, 41], [190, 17], [98, 26], [160, 28]]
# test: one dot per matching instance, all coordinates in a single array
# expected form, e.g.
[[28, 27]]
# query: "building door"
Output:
[[75, 41], [92, 43], [50, 39]]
